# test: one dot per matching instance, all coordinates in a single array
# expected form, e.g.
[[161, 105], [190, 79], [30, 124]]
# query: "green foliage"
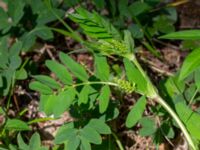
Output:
[[94, 25], [10, 65], [183, 94], [17, 125], [104, 99], [190, 119], [134, 76], [82, 86], [92, 95], [183, 35], [74, 67], [148, 126], [13, 15], [21, 22], [136, 112], [60, 71], [113, 47], [138, 8], [59, 97], [190, 64], [16, 25], [34, 143], [38, 86], [126, 86], [102, 68], [82, 137]]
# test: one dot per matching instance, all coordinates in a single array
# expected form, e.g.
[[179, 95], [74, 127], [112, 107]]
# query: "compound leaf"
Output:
[[94, 25]]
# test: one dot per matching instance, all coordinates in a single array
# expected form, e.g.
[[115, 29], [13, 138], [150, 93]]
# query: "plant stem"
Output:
[[119, 144], [194, 95], [150, 46], [177, 119], [40, 120], [71, 31], [10, 94], [153, 94], [91, 83]]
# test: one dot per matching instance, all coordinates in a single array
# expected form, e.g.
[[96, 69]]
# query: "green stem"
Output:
[[177, 119], [119, 144], [91, 83], [150, 46], [10, 94], [73, 33], [153, 94], [40, 120], [23, 112], [194, 95]]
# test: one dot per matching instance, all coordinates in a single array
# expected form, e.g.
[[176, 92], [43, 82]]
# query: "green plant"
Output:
[[23, 31], [34, 143], [19, 33], [92, 95], [183, 89], [103, 42]]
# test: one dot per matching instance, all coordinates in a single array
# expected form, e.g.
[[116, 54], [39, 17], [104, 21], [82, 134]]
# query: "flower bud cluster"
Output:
[[125, 85], [113, 47]]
